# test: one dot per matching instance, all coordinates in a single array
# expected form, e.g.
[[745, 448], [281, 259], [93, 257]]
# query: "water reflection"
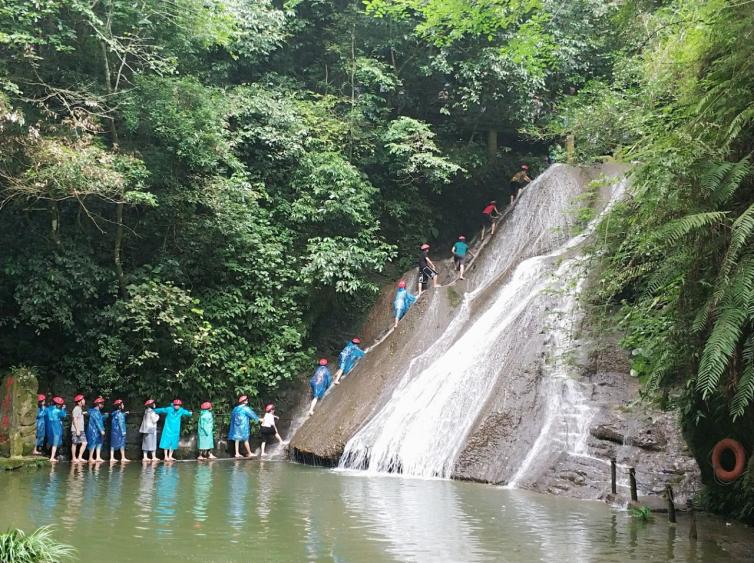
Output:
[[143, 499], [74, 497], [202, 492], [238, 489], [166, 483]]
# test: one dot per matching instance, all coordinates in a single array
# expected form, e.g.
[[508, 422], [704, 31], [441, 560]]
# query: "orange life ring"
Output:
[[738, 452]]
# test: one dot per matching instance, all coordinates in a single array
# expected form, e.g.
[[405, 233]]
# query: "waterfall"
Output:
[[422, 429]]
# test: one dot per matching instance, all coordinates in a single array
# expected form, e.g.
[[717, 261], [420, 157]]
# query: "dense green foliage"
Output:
[[679, 270], [193, 193], [37, 547]]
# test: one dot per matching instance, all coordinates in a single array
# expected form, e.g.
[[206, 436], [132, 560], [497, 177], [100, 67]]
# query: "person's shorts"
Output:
[[459, 260], [78, 438], [268, 433], [426, 274], [487, 219]]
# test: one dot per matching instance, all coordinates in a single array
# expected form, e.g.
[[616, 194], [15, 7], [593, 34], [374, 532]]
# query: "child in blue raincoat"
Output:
[[320, 383], [55, 416], [39, 442], [348, 358], [206, 432], [95, 430], [118, 431], [171, 430], [239, 430], [402, 302]]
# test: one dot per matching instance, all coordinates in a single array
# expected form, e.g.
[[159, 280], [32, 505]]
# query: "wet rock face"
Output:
[[18, 410]]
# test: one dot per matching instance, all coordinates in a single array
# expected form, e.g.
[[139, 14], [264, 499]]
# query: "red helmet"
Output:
[[177, 402], [356, 340], [402, 283], [41, 398], [206, 405], [323, 362], [99, 401], [118, 402], [425, 246], [148, 402], [58, 400], [269, 408], [461, 237], [78, 398], [524, 167], [242, 398]]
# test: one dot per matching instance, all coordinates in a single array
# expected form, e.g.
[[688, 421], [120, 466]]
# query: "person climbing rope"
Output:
[[489, 214], [95, 431], [460, 251], [118, 431], [205, 432], [149, 429], [427, 269], [319, 383], [239, 430], [402, 302], [268, 429], [39, 442], [348, 358], [519, 181], [171, 429], [78, 430]]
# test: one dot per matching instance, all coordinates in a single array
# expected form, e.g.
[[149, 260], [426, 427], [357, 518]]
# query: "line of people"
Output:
[[88, 429]]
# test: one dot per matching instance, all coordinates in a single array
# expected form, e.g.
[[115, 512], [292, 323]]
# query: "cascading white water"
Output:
[[422, 429]]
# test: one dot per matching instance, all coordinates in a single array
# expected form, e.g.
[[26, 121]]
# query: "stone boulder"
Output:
[[18, 413]]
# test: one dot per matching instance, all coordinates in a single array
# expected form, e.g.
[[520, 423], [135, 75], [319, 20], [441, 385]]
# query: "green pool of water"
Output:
[[278, 511]]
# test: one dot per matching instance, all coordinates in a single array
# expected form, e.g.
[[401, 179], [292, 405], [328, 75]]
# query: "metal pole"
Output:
[[632, 478], [671, 503], [613, 480]]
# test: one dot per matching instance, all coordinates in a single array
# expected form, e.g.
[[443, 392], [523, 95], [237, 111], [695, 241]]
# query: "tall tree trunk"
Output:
[[117, 249], [491, 145]]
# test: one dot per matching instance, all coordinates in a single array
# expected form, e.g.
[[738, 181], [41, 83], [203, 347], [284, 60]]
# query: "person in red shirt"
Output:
[[489, 214]]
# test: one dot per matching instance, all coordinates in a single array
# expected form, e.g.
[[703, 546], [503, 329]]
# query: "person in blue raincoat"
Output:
[[348, 358], [95, 430], [239, 430], [171, 430], [39, 442], [118, 431], [320, 383], [55, 415], [402, 302]]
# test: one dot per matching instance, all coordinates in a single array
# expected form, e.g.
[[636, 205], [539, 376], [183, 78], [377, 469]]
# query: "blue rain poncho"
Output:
[[118, 429], [95, 426], [171, 430], [55, 417], [320, 382], [402, 302], [206, 430], [41, 426], [239, 423], [349, 356]]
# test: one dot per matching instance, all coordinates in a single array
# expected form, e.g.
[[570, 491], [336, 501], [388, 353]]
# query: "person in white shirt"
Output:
[[149, 429], [268, 428], [78, 430]]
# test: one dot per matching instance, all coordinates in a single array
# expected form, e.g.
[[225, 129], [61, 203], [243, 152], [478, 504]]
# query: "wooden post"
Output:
[[692, 520], [632, 478], [570, 148], [671, 503], [613, 481]]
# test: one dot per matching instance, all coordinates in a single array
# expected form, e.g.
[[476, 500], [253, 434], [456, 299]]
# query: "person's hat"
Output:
[[356, 340], [148, 402], [206, 405], [493, 202], [402, 283], [242, 398], [41, 398], [118, 402], [177, 402], [323, 362], [425, 246], [524, 167], [77, 398], [58, 400], [99, 401], [461, 237], [269, 408]]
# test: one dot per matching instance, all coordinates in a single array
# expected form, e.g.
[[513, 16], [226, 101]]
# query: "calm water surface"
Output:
[[277, 511]]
